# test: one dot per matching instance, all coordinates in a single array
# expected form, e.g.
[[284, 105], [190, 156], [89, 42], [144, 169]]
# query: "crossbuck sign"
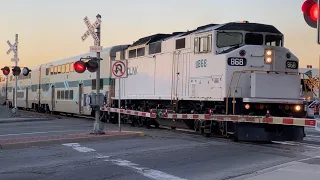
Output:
[[90, 31], [13, 47]]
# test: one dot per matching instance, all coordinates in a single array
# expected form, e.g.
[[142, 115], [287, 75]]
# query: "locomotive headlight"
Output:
[[268, 56], [268, 52], [268, 60]]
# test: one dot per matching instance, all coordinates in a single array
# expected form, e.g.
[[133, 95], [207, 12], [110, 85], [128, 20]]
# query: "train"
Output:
[[234, 68]]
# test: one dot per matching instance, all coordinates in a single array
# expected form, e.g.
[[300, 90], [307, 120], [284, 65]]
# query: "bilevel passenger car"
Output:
[[55, 87]]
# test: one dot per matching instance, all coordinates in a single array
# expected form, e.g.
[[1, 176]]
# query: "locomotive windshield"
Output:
[[228, 39]]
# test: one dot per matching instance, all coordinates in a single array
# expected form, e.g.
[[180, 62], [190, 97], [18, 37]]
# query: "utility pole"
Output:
[[98, 126], [14, 48]]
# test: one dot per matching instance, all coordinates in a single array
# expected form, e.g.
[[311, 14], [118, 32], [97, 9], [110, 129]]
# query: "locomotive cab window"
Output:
[[203, 44], [253, 39], [274, 40], [226, 39]]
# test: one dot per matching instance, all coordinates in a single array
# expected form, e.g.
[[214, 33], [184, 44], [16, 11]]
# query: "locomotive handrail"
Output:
[[237, 84]]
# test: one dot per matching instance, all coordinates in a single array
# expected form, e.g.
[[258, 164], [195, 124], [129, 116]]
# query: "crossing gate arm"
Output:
[[233, 118]]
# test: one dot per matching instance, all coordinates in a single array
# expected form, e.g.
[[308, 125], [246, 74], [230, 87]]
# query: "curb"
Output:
[[128, 135], [13, 120]]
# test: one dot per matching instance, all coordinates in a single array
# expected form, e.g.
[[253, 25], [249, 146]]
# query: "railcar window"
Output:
[[253, 39], [141, 51], [59, 69], [181, 43], [66, 94], [47, 71], [274, 40], [71, 67], [62, 94], [67, 68], [203, 44], [132, 53], [155, 47], [55, 70], [63, 69], [58, 94], [225, 39], [71, 94], [51, 70]]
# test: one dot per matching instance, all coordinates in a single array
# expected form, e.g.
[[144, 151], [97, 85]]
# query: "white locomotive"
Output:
[[239, 66]]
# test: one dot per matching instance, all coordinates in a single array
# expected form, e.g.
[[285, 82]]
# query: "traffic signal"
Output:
[[5, 70], [310, 12], [92, 65], [16, 70], [79, 66], [26, 71]]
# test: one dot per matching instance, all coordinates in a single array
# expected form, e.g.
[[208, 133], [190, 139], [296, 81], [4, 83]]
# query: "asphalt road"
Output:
[[160, 155]]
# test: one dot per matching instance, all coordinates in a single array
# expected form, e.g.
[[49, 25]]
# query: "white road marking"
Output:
[[147, 172], [30, 133], [297, 144], [78, 147], [150, 173]]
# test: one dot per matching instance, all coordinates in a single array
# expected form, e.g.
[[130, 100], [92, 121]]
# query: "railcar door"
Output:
[[27, 94], [53, 98], [80, 98]]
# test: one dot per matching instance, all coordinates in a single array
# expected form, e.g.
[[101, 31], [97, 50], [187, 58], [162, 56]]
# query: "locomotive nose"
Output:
[[280, 59]]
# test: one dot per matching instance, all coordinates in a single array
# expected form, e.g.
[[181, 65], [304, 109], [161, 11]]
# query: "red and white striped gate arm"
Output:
[[129, 112], [233, 118]]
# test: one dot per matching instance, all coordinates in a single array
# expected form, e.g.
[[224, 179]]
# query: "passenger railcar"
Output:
[[55, 87]]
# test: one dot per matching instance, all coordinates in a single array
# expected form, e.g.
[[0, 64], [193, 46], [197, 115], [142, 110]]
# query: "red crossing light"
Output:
[[310, 12], [5, 70], [79, 66]]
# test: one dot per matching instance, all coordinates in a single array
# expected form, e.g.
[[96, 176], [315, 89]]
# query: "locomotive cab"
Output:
[[261, 75]]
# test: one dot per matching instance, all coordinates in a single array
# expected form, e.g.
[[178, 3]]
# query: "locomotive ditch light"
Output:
[[297, 108], [5, 70]]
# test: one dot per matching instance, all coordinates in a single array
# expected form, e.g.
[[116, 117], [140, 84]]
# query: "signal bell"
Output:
[[16, 70], [310, 12]]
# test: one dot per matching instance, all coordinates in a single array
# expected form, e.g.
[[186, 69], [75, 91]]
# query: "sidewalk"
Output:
[[66, 138], [308, 169]]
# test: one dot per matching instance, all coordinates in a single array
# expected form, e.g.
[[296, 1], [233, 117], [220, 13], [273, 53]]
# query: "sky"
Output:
[[51, 30]]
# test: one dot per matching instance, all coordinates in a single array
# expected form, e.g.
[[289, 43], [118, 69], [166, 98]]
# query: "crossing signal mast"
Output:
[[310, 9]]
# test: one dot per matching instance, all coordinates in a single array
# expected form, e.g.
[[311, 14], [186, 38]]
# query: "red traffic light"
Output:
[[5, 70], [92, 65], [79, 66], [16, 71], [26, 71], [310, 12]]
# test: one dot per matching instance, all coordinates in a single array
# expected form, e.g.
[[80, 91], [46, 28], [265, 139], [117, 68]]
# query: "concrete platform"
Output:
[[66, 138]]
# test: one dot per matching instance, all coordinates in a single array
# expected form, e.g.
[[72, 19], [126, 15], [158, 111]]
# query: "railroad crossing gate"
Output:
[[119, 69]]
